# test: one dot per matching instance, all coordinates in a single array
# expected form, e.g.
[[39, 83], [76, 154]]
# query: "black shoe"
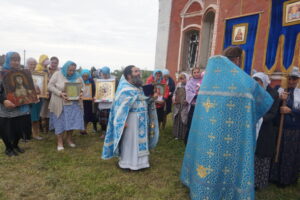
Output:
[[10, 153], [18, 149]]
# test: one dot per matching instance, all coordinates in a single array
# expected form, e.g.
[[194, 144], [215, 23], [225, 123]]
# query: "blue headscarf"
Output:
[[7, 66], [64, 71], [154, 72], [7, 60], [105, 70], [86, 71]]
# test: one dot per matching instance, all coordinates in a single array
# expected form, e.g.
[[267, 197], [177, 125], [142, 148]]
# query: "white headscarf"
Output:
[[263, 77]]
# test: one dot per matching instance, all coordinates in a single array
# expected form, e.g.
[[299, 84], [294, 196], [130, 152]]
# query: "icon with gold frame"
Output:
[[19, 87], [73, 90], [291, 13], [239, 34], [105, 90], [87, 92], [40, 81]]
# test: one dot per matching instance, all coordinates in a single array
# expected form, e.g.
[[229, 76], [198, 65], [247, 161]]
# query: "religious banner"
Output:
[[284, 35], [241, 31]]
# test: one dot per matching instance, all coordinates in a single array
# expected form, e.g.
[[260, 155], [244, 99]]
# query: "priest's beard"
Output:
[[137, 81]]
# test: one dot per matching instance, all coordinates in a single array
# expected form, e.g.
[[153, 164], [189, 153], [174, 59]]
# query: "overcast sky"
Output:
[[114, 33]]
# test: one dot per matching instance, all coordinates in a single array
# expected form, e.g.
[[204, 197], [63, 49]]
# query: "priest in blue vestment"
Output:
[[132, 127], [219, 157]]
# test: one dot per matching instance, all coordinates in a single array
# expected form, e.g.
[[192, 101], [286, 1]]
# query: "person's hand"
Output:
[[64, 96], [126, 125], [284, 95], [9, 104], [80, 95], [285, 110]]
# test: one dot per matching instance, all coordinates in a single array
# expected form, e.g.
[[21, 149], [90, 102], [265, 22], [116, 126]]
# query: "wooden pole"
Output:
[[284, 86]]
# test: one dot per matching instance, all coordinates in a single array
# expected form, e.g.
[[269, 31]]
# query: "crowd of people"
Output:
[[240, 133]]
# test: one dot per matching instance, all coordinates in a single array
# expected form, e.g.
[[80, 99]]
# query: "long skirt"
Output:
[[89, 115], [179, 128], [103, 118], [262, 172], [160, 114], [13, 129], [286, 171], [35, 111], [71, 118]]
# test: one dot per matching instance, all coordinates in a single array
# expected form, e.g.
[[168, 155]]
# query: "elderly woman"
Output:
[[14, 120], [65, 115], [89, 114], [36, 107], [266, 141], [286, 171]]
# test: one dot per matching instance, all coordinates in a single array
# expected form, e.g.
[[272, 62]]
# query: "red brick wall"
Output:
[[227, 9]]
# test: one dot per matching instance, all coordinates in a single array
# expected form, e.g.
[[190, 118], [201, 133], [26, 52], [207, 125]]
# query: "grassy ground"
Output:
[[44, 173]]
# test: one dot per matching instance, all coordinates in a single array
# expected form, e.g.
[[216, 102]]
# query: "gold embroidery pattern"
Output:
[[230, 105], [234, 71], [229, 122], [228, 139], [248, 107], [208, 105], [213, 120], [232, 87], [227, 154], [211, 137], [203, 172], [225, 170], [210, 153], [218, 70]]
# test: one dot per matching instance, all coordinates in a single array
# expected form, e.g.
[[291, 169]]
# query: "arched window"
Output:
[[191, 47]]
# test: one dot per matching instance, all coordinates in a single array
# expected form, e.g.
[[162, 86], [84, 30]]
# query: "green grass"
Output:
[[80, 173]]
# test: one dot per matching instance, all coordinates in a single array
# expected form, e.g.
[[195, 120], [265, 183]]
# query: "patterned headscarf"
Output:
[[8, 56], [64, 71]]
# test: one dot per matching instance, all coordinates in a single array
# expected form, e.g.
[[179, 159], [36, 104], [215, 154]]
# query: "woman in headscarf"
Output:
[[42, 66], [180, 109], [286, 171], [14, 120], [192, 87], [36, 107], [43, 63], [266, 141], [65, 115], [157, 78], [104, 106], [89, 114]]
